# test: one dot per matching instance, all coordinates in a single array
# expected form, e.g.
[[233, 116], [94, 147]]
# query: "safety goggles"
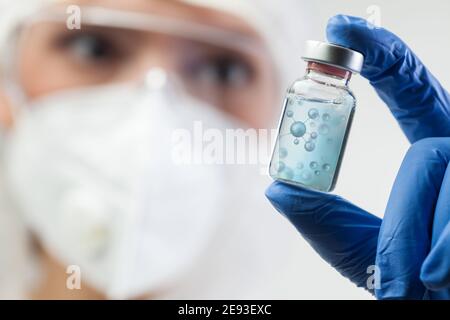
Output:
[[217, 65]]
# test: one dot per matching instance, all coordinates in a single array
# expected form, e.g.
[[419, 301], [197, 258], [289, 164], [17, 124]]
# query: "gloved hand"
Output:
[[410, 246]]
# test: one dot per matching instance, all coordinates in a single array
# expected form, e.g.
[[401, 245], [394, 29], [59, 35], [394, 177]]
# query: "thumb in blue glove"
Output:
[[341, 233]]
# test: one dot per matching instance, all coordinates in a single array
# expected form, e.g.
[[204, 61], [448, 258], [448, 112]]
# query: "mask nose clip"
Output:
[[156, 79]]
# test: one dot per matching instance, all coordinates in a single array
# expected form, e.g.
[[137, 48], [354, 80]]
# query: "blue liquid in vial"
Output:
[[311, 142]]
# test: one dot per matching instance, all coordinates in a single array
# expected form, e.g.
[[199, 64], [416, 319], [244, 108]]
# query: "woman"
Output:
[[96, 205]]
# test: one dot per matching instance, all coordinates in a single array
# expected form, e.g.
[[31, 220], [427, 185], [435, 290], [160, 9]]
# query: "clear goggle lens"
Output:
[[215, 65]]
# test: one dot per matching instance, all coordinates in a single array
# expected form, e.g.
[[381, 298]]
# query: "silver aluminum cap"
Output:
[[331, 54]]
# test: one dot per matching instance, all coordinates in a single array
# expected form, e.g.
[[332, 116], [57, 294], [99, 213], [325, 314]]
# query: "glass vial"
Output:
[[316, 119]]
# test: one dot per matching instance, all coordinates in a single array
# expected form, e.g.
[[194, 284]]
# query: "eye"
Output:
[[222, 70], [90, 47]]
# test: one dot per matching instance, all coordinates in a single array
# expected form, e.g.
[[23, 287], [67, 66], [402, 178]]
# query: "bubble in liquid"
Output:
[[326, 167], [300, 165], [298, 129], [317, 173], [305, 176], [282, 153], [310, 146], [312, 124], [324, 129], [289, 113], [329, 140], [339, 120], [313, 113], [296, 141], [280, 166], [313, 135], [313, 165], [297, 176], [287, 173], [326, 117], [291, 101]]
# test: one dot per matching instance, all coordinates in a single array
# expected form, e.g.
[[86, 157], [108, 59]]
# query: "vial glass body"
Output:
[[314, 126]]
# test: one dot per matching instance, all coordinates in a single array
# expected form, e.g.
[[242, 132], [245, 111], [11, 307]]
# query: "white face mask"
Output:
[[93, 174]]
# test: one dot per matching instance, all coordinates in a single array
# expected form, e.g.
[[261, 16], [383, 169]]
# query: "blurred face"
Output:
[[52, 58]]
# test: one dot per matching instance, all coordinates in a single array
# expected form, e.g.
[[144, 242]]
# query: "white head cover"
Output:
[[284, 25]]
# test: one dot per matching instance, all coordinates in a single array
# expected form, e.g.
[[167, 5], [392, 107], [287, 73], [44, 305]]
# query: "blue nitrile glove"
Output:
[[418, 212]]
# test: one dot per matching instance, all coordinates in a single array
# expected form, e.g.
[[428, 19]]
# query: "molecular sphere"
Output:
[[298, 129], [287, 173], [310, 146], [313, 165], [289, 113], [280, 166], [313, 113], [298, 176], [306, 175], [324, 129], [283, 153]]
